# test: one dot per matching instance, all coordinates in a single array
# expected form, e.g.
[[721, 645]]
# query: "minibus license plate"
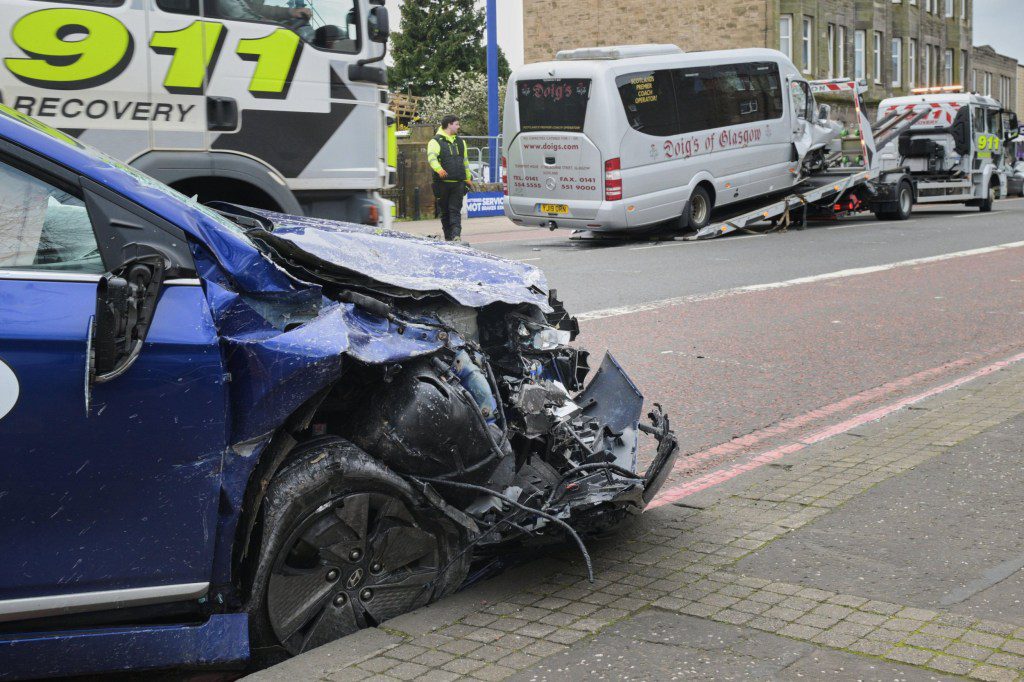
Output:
[[554, 209]]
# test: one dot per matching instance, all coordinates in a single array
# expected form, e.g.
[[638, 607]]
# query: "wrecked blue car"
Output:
[[230, 434]]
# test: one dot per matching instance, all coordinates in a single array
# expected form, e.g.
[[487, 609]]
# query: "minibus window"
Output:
[[737, 101], [704, 97], [555, 104], [650, 102], [767, 89], [695, 93]]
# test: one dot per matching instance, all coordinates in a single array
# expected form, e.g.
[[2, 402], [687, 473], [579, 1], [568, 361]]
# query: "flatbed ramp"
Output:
[[792, 207], [831, 185]]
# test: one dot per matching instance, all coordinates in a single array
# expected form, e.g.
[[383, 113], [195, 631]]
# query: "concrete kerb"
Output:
[[678, 559], [330, 658]]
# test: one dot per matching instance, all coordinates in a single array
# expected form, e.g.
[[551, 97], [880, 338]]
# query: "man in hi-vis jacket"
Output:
[[449, 160]]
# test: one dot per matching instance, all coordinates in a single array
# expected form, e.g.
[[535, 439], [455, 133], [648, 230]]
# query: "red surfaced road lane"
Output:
[[774, 365]]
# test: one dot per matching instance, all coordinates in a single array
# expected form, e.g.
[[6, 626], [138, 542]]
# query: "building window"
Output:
[[831, 50], [807, 37], [963, 68], [988, 85], [912, 63], [949, 8], [926, 66], [974, 80], [859, 44], [1004, 89], [949, 67], [897, 62], [786, 35], [841, 53], [963, 9], [878, 57]]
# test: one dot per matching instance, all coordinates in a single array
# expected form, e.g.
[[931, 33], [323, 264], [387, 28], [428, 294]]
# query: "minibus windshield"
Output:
[[558, 104]]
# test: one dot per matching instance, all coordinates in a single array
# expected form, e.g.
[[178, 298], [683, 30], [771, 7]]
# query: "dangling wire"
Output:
[[479, 488]]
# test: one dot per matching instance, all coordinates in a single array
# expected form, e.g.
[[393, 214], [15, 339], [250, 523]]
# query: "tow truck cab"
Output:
[[955, 151]]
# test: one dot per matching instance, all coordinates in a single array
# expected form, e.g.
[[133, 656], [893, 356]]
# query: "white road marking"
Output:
[[528, 260], [825, 277], [8, 389]]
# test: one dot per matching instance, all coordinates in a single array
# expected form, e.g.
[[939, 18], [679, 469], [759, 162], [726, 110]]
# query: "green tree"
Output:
[[441, 42], [467, 100]]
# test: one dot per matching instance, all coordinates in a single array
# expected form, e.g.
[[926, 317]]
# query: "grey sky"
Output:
[[998, 23]]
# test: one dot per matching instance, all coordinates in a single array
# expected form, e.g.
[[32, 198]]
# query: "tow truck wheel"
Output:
[[346, 544], [904, 201], [699, 208], [990, 198]]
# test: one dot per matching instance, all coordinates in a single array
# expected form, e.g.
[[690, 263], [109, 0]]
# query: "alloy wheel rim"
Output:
[[905, 200], [354, 562]]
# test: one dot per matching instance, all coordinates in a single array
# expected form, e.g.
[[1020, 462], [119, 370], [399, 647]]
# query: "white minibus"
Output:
[[618, 138]]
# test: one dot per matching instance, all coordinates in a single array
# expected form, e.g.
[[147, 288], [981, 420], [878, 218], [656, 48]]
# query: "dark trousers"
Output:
[[449, 207]]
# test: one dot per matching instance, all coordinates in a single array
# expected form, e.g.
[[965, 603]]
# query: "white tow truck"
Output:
[[955, 153]]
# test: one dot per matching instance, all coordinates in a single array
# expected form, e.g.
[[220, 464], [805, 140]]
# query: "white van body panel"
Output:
[[659, 172]]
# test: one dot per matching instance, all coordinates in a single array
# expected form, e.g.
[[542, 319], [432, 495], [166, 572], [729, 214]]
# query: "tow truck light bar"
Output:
[[937, 89]]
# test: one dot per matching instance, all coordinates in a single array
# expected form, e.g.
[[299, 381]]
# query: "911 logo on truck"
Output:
[[69, 49]]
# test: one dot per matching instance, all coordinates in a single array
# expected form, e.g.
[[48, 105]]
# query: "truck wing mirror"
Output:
[[824, 112], [1011, 125], [125, 302], [377, 26]]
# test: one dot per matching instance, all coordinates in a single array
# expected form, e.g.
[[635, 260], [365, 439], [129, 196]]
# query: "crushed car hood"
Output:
[[346, 252]]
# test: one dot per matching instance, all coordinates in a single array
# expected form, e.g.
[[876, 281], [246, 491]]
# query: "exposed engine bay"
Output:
[[493, 420], [506, 418]]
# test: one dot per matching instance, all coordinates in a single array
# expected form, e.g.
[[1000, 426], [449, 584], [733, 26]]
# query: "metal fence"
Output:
[[478, 148]]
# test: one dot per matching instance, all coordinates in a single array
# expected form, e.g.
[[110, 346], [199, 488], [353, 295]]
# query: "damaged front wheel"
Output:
[[347, 545]]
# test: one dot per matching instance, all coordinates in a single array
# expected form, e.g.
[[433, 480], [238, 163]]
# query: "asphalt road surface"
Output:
[[754, 342]]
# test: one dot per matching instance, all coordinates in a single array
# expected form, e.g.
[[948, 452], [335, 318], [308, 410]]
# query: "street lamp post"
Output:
[[493, 126]]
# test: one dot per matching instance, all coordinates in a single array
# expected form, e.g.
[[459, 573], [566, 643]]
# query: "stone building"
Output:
[[1020, 91], [895, 45], [994, 75]]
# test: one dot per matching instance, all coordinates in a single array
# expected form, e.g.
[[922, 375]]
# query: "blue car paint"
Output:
[[472, 278], [223, 639], [146, 487], [86, 504]]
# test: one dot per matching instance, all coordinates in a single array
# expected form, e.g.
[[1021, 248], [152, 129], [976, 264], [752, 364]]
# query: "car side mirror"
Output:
[[824, 112], [377, 26], [125, 302]]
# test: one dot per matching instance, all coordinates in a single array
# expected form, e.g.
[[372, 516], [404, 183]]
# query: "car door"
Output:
[[108, 490]]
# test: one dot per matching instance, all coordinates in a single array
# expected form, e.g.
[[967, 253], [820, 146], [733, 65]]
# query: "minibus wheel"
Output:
[[699, 208]]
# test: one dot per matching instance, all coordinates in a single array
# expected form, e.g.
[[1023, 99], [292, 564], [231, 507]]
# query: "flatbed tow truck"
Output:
[[838, 189]]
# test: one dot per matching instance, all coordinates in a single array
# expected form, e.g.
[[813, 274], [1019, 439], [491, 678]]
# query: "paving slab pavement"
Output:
[[733, 582]]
